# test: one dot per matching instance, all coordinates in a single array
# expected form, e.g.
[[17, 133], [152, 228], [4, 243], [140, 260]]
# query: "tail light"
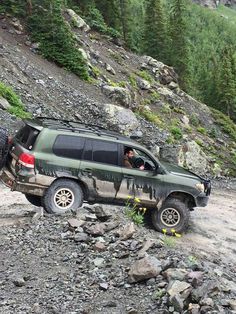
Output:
[[10, 140], [27, 160]]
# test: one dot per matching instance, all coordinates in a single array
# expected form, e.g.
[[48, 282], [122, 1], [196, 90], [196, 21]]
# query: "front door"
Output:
[[142, 184]]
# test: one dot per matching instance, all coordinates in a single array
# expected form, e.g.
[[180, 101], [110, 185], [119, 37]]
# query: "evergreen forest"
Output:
[[199, 43]]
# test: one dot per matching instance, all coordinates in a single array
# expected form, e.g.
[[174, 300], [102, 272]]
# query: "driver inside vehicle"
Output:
[[129, 158]]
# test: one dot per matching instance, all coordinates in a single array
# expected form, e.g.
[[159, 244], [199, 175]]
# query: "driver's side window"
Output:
[[137, 159]]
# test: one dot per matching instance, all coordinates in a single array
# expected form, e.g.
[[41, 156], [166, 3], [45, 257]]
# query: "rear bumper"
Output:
[[24, 187]]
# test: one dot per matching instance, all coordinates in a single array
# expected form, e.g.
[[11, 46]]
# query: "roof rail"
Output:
[[61, 124], [67, 122]]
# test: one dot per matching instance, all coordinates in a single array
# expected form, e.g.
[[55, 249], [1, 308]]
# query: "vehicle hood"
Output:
[[180, 171]]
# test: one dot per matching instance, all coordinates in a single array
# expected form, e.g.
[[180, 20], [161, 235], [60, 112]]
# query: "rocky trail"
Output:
[[86, 263]]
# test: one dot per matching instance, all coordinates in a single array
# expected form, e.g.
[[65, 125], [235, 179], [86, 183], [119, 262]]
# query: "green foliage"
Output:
[[150, 116], [95, 19], [55, 38], [194, 120], [13, 7], [134, 212], [154, 42], [212, 132], [145, 75], [179, 110], [178, 32], [17, 107], [133, 81], [202, 130], [158, 294], [176, 132], [199, 142], [226, 124]]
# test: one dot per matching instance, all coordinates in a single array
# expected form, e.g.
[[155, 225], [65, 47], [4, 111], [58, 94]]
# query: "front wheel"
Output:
[[62, 196], [173, 216]]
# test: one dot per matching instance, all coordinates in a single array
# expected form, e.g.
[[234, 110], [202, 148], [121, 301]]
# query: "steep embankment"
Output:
[[129, 93]]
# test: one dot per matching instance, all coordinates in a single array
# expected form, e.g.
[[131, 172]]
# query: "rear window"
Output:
[[26, 136], [101, 151], [69, 146]]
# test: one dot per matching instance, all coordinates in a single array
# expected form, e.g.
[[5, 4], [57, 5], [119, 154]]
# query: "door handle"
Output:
[[128, 177], [87, 171]]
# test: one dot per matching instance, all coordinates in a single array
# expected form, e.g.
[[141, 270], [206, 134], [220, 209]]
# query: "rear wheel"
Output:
[[62, 196], [173, 216], [34, 199], [3, 147]]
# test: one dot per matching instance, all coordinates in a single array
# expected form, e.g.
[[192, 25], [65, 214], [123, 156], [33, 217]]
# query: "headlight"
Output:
[[200, 187]]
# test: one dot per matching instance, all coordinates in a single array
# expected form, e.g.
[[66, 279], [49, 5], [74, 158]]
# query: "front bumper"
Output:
[[27, 188], [201, 200]]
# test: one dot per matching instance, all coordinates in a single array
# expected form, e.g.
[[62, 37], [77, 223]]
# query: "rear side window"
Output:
[[69, 146], [26, 136], [101, 151]]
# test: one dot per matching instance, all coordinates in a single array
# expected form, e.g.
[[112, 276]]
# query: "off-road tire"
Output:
[[62, 196], [173, 215], [3, 147], [34, 199]]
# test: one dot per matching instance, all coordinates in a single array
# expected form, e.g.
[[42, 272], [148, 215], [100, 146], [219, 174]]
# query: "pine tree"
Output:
[[57, 43], [126, 21], [110, 12], [155, 30], [178, 33], [227, 83]]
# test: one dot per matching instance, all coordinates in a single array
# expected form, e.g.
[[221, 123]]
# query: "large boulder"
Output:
[[189, 155], [163, 73], [120, 95], [121, 119], [77, 20], [145, 268], [4, 104]]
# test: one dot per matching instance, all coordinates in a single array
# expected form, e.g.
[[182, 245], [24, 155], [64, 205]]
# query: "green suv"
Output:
[[60, 164]]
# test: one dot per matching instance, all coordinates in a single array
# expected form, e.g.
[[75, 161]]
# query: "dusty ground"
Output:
[[211, 232], [45, 269]]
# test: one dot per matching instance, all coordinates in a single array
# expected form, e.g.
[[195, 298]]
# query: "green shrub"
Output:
[[202, 130], [132, 79], [150, 116], [96, 21], [145, 75], [199, 142], [213, 132], [17, 107], [176, 132], [166, 109], [56, 41], [194, 120], [179, 110], [226, 124]]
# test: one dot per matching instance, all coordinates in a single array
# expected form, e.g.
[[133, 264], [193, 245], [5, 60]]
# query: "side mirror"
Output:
[[156, 170]]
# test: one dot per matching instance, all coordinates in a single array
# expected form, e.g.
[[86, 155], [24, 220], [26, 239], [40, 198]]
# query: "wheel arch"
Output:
[[79, 182], [184, 197]]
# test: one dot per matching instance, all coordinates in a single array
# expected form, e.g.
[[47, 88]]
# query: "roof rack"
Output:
[[61, 124]]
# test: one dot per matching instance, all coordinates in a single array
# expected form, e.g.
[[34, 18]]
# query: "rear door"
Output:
[[100, 169]]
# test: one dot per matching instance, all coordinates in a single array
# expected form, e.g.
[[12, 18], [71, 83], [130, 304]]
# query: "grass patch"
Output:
[[17, 108], [226, 124], [146, 76], [150, 116], [176, 132], [202, 130]]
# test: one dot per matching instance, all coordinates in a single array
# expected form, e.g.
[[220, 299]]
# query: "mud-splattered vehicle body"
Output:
[[59, 164]]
